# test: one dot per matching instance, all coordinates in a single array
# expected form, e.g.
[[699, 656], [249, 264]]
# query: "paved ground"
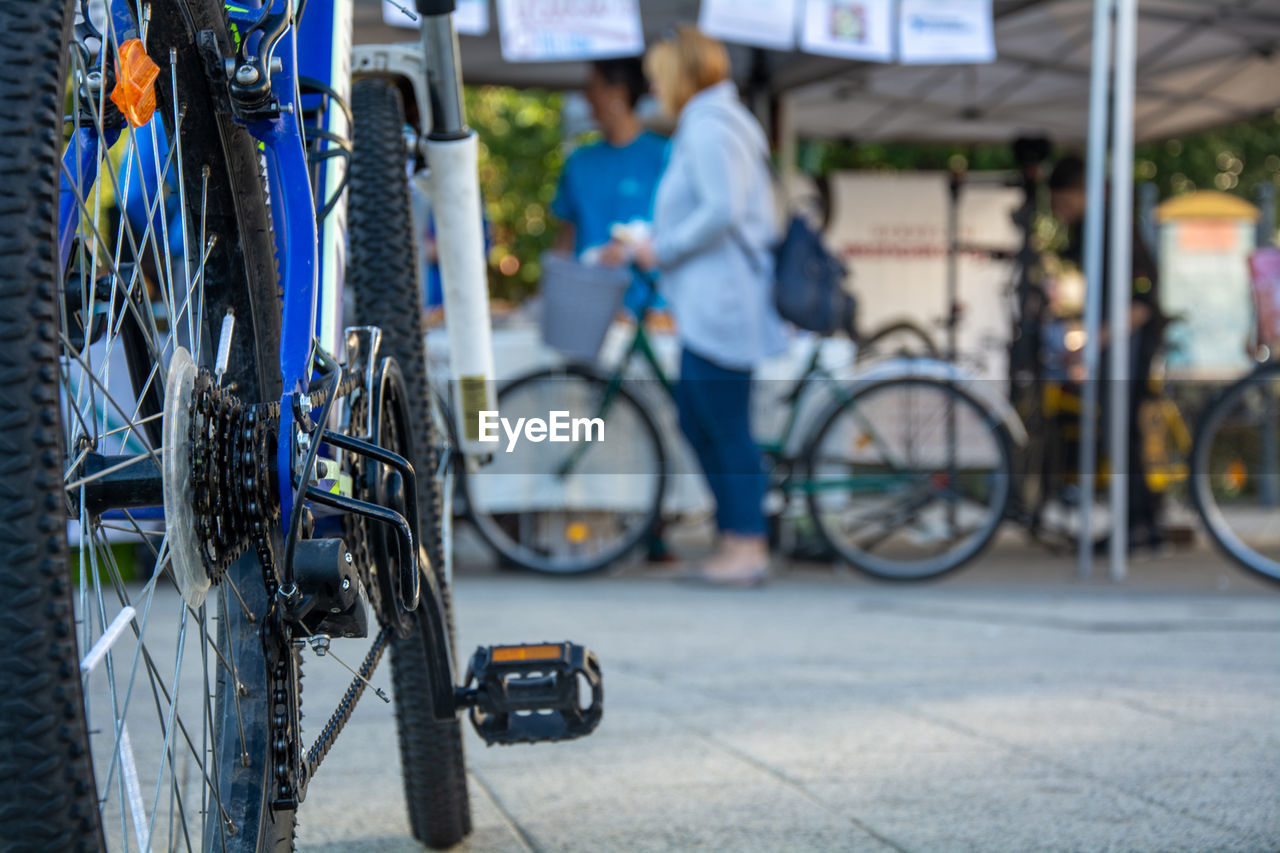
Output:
[[1010, 709]]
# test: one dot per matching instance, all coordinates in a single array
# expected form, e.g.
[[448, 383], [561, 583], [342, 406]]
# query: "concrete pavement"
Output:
[[1011, 708]]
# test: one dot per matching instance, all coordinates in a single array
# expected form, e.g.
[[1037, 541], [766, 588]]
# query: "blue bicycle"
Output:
[[207, 475]]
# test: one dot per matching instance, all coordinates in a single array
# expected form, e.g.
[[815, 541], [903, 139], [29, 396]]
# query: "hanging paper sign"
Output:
[[569, 30], [760, 23], [850, 29], [470, 19], [945, 32]]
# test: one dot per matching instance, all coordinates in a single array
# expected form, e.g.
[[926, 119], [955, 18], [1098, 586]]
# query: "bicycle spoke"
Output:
[[240, 598], [160, 691], [238, 685], [109, 397]]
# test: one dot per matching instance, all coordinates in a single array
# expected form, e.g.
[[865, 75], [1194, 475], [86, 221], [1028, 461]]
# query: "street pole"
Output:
[[1121, 200], [1095, 216]]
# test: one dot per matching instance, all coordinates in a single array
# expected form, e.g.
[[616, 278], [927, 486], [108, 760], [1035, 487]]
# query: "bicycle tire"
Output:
[[493, 530], [981, 421], [382, 274], [926, 347], [48, 745], [1212, 515]]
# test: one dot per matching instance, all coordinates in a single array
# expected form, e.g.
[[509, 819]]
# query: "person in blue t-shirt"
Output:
[[611, 182]]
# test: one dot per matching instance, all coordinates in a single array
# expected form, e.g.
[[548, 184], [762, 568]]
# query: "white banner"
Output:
[[760, 23], [946, 32], [471, 19], [850, 29], [891, 229], [569, 30]]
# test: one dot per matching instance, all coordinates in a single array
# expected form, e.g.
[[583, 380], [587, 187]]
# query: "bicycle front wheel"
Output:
[[1235, 485], [574, 505], [908, 479], [133, 715]]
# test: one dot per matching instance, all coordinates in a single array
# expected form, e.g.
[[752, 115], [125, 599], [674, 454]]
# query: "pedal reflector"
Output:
[[510, 654]]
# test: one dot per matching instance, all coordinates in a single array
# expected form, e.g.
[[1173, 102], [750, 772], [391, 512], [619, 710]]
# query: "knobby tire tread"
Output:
[[383, 276], [47, 796]]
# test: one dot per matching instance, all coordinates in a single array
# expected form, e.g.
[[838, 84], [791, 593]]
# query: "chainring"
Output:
[[373, 545]]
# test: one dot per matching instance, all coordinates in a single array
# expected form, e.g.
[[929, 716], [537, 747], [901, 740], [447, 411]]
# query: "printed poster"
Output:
[[760, 23], [569, 30], [849, 29], [471, 18], [946, 32]]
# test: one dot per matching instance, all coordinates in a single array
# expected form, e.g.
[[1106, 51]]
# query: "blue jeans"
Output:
[[715, 415]]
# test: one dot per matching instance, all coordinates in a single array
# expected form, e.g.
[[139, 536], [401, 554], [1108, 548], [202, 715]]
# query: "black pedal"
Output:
[[533, 693]]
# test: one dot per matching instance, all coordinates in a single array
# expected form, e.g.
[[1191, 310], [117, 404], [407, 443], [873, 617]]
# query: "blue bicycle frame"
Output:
[[310, 256]]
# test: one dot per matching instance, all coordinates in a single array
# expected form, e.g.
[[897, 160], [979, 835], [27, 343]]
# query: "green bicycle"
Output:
[[905, 473]]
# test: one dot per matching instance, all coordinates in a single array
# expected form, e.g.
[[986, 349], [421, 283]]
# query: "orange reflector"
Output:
[[577, 533], [135, 91], [511, 654]]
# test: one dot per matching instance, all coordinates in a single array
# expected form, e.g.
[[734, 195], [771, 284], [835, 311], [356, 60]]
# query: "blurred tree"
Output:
[[1237, 159], [823, 156], [520, 161]]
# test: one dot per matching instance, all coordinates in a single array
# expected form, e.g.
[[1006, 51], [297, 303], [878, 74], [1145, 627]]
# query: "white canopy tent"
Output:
[[1176, 65], [1199, 63]]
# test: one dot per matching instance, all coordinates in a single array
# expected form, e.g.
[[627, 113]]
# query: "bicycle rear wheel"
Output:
[[572, 506], [130, 717], [383, 277], [1235, 485], [900, 338], [908, 479]]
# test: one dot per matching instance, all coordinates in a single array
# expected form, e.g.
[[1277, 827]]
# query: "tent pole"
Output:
[[1121, 261], [1096, 164]]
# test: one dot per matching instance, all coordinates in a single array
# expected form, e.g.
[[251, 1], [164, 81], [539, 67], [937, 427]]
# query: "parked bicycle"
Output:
[[905, 473], [1235, 471], [176, 378]]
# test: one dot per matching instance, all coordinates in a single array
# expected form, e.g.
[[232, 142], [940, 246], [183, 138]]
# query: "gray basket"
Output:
[[579, 303]]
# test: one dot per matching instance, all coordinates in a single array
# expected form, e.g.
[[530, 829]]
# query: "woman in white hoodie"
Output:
[[713, 228]]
